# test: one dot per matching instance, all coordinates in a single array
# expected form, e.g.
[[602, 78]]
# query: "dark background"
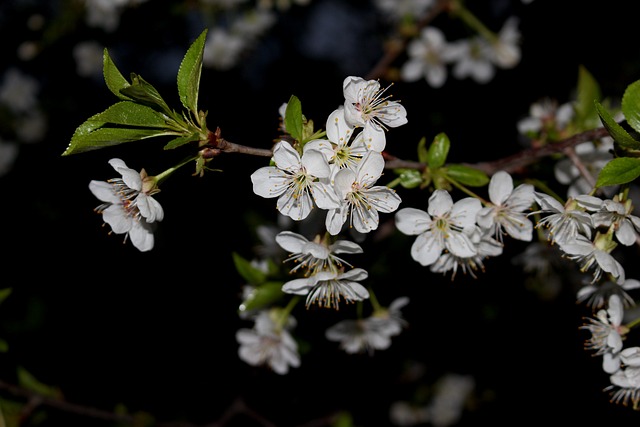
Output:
[[154, 331]]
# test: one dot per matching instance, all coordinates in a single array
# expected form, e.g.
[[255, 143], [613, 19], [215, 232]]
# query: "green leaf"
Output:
[[438, 151], [263, 296], [631, 105], [467, 175], [619, 171], [293, 118], [143, 92], [189, 74], [181, 140], [588, 91], [112, 77], [617, 132], [251, 274], [91, 136], [127, 113], [409, 178]]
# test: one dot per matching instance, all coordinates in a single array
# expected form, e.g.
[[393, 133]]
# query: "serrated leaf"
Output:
[[293, 118], [251, 274], [619, 171], [588, 91], [112, 77], [190, 72], [617, 132], [263, 296], [91, 136], [128, 113], [467, 175], [181, 140], [438, 151], [631, 105]]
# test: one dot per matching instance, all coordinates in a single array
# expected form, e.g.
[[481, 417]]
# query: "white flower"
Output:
[[372, 333], [338, 148], [268, 343], [593, 159], [397, 10], [89, 58], [564, 222], [427, 58], [294, 180], [546, 116], [222, 49], [8, 155], [485, 245], [590, 256], [327, 288], [613, 212], [606, 334], [472, 58], [441, 228], [129, 207], [595, 295], [506, 49], [361, 199], [452, 391], [366, 107], [505, 215], [318, 255], [19, 91]]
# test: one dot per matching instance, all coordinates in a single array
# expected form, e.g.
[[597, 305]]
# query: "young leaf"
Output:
[[617, 132], [248, 272], [631, 105], [438, 151], [409, 178], [619, 171], [144, 93], [588, 91], [263, 296], [189, 74], [293, 118], [112, 76], [423, 151], [467, 175]]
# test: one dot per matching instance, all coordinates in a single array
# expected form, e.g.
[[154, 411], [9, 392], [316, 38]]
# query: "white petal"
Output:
[[269, 181], [291, 242], [500, 187], [104, 191], [412, 221], [297, 286], [426, 249]]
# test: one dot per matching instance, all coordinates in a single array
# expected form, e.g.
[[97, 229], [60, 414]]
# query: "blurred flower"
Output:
[[428, 56], [269, 343], [89, 58]]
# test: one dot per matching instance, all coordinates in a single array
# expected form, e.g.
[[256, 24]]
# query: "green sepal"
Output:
[[617, 132], [263, 296], [631, 105], [293, 118], [112, 77], [190, 72], [251, 274], [438, 151], [619, 171], [143, 92], [181, 140], [467, 175], [588, 91], [409, 178]]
